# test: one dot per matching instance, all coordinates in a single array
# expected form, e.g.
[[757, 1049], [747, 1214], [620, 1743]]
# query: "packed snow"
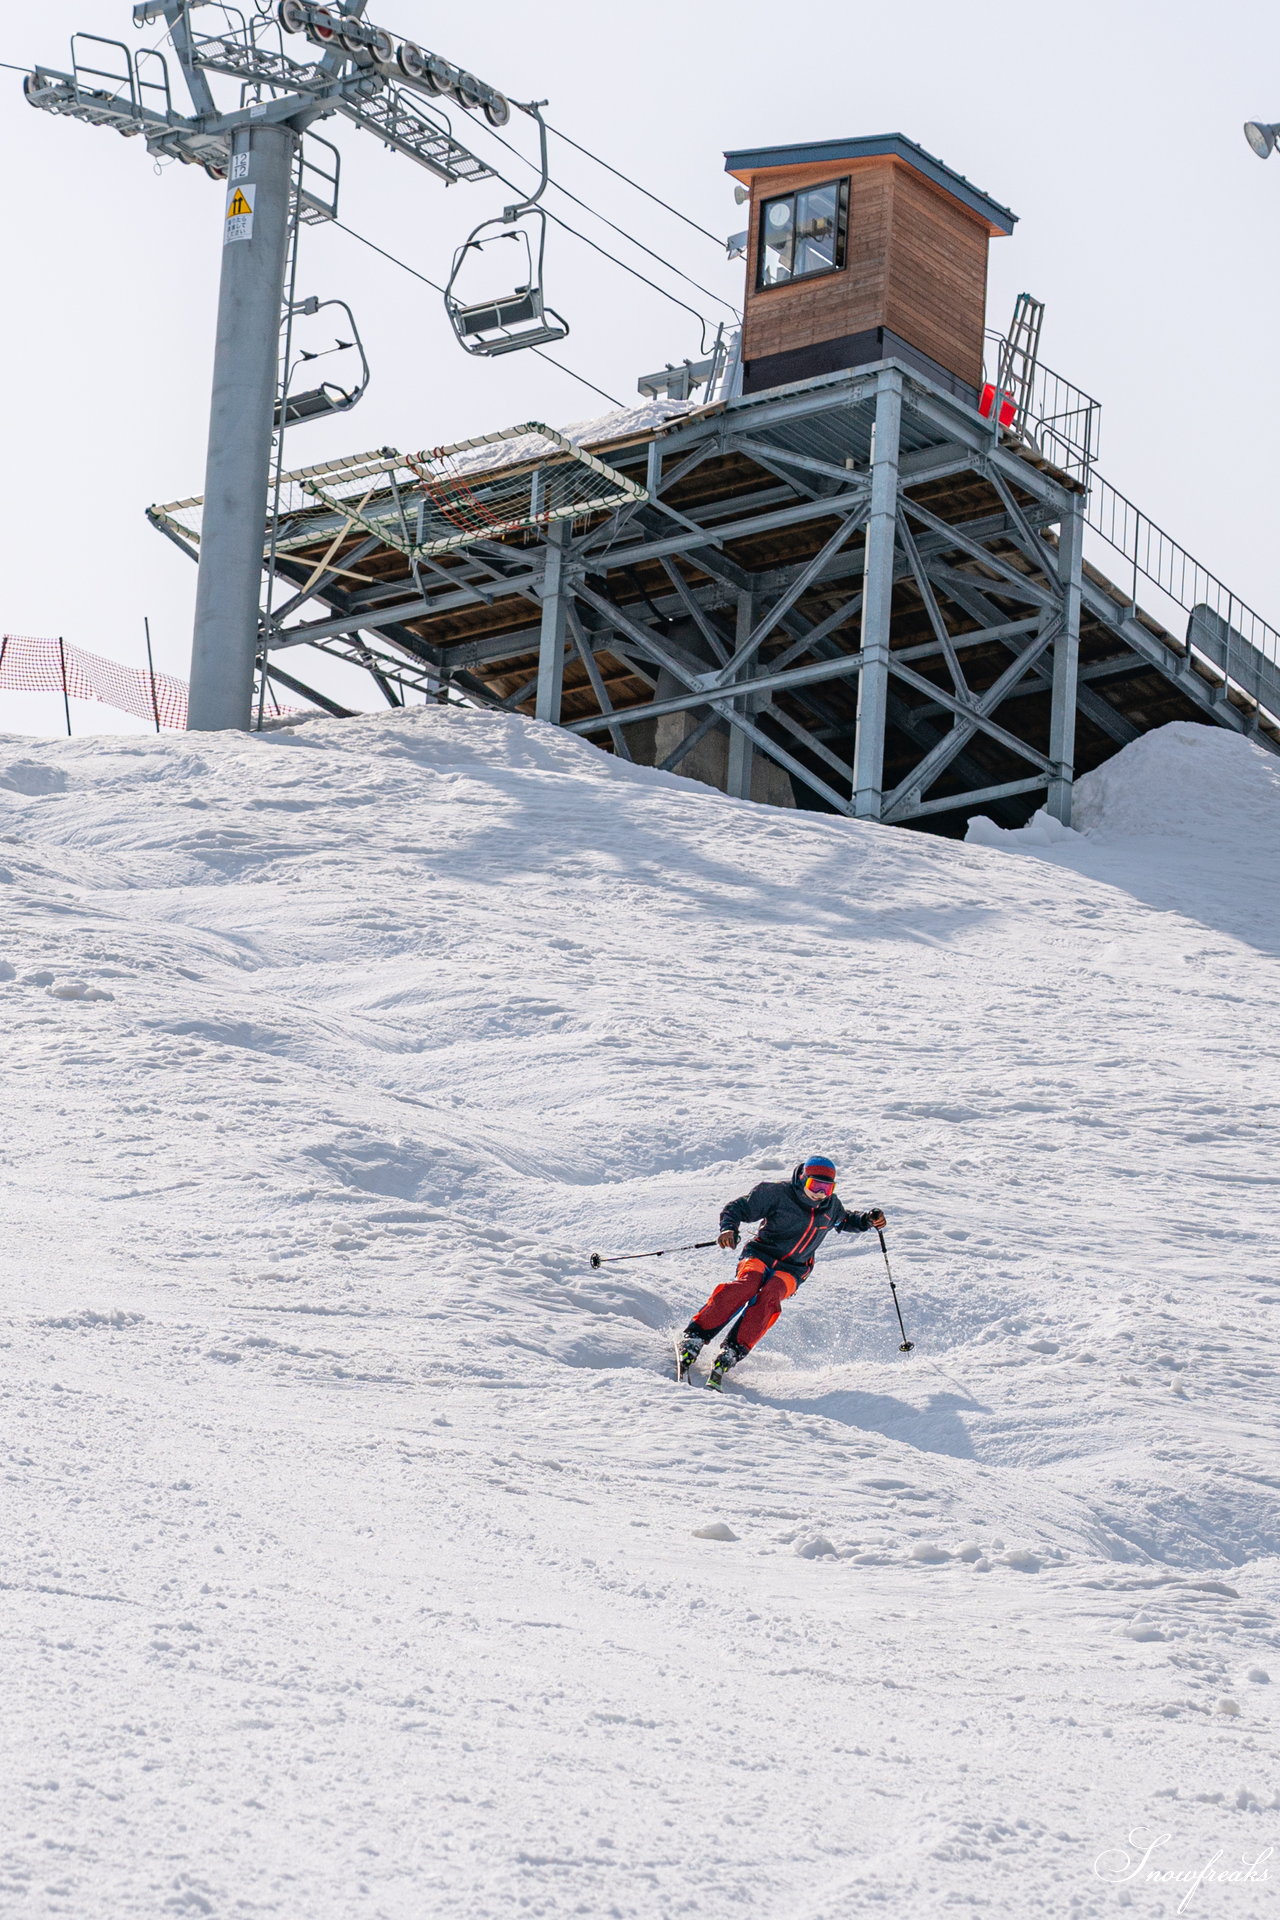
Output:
[[362, 1560]]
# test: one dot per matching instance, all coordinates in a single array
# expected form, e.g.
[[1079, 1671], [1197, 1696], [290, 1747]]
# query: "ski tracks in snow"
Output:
[[351, 1558]]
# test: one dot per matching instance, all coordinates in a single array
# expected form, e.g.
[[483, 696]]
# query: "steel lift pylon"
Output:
[[389, 87]]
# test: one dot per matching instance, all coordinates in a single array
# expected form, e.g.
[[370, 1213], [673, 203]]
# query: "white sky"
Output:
[[1111, 127]]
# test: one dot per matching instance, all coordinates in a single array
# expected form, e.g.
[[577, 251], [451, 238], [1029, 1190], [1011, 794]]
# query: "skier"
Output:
[[796, 1215]]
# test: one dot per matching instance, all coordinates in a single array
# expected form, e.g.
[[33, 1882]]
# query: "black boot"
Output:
[[728, 1356], [689, 1346]]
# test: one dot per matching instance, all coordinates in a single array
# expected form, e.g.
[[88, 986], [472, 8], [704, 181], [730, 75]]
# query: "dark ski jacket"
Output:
[[792, 1226]]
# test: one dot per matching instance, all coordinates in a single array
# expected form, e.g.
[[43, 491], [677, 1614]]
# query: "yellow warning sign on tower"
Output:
[[239, 220]]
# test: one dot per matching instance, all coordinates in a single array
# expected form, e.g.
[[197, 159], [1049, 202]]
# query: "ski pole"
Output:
[[606, 1259], [908, 1346]]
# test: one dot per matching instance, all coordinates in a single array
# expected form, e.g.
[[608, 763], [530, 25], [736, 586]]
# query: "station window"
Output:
[[803, 233]]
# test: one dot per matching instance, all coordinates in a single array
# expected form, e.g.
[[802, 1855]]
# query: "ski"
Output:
[[715, 1379]]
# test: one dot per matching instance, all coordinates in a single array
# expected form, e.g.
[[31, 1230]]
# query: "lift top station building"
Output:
[[861, 251], [840, 566], [853, 579]]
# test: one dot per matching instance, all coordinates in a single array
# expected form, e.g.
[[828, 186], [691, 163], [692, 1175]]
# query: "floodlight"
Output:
[[1261, 136]]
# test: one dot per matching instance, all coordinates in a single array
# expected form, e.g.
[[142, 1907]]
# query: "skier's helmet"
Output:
[[817, 1177]]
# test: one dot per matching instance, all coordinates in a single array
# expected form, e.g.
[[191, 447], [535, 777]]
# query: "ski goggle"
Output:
[[818, 1185]]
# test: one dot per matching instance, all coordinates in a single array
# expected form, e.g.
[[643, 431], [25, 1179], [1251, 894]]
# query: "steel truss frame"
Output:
[[132, 94], [919, 566]]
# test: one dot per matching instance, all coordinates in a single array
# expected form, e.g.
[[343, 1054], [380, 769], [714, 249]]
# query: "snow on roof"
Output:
[[628, 422], [608, 429]]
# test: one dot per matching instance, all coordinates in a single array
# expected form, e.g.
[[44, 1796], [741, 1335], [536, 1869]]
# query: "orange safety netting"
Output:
[[32, 665]]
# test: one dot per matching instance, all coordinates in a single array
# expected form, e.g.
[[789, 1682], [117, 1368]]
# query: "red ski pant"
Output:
[[750, 1279]]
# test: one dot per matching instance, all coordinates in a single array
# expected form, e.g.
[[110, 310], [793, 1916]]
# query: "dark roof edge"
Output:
[[813, 152]]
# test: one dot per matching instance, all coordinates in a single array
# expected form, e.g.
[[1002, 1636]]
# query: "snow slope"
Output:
[[356, 1559]]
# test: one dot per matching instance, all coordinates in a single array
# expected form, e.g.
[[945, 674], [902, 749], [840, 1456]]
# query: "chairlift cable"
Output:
[[666, 206], [605, 254], [596, 214], [437, 288], [586, 240], [618, 173], [635, 272]]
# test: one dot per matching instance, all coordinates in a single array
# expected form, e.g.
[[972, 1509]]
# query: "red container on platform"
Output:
[[1008, 412]]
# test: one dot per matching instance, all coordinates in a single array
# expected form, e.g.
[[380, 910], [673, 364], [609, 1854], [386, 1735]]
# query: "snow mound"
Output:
[[1184, 780], [1042, 830]]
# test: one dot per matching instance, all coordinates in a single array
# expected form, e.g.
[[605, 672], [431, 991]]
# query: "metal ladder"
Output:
[[1018, 357]]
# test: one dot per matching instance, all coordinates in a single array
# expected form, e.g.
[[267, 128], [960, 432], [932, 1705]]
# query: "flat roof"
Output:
[[808, 153]]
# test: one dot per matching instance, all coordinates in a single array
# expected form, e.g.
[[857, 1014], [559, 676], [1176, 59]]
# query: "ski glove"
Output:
[[729, 1238], [859, 1222]]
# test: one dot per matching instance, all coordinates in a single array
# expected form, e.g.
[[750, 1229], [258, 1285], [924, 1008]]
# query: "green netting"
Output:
[[438, 500], [448, 497], [302, 520]]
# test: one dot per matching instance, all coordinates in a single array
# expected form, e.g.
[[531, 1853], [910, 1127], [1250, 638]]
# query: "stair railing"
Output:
[[1221, 627], [1057, 419]]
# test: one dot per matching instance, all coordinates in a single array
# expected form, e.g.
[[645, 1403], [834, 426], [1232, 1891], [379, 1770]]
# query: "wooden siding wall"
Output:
[[916, 262], [937, 282]]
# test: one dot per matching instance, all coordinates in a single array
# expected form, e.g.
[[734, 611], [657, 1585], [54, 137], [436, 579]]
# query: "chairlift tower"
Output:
[[264, 152]]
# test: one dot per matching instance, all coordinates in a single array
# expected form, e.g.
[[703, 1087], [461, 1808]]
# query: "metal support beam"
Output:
[[416, 606], [706, 725], [551, 640], [696, 612], [809, 742], [700, 696], [877, 600], [1010, 581], [321, 700], [927, 734], [742, 751], [952, 802], [1111, 721], [975, 711], [642, 637], [784, 759], [323, 575], [765, 450], [582, 641], [843, 666], [931, 607], [245, 372], [748, 644], [1066, 661], [970, 719]]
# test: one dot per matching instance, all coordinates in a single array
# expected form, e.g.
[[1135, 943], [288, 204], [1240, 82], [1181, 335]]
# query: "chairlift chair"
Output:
[[521, 318], [513, 320], [317, 403]]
